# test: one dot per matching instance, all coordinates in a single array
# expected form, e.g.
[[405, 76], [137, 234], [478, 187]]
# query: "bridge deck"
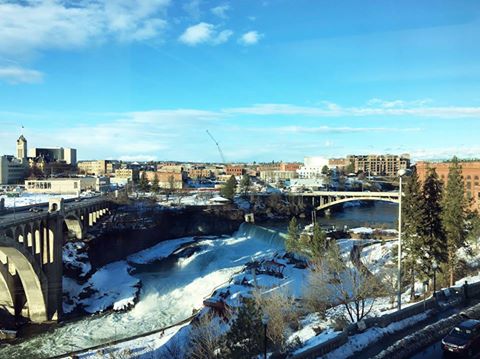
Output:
[[9, 218]]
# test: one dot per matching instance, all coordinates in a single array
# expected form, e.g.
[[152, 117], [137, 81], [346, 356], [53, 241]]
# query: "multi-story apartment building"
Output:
[[235, 171], [97, 167], [167, 180], [340, 163], [379, 165], [199, 172], [470, 173], [128, 174]]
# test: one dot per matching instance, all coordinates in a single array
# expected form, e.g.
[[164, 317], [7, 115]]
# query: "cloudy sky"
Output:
[[271, 80]]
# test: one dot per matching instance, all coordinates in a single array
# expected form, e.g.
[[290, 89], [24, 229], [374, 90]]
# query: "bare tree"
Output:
[[205, 337], [282, 313], [338, 284]]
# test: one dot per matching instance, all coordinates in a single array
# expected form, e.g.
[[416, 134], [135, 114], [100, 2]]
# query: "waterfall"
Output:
[[268, 235]]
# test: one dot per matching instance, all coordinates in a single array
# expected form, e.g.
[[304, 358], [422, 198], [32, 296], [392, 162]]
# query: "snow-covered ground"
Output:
[[159, 251], [168, 295], [372, 335], [109, 287]]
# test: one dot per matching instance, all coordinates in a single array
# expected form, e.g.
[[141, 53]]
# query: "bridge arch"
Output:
[[344, 200], [33, 280], [6, 288], [74, 225]]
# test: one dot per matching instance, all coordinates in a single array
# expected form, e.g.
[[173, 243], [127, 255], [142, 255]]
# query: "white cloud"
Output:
[[192, 8], [16, 74], [221, 11], [334, 110], [144, 134], [376, 102], [250, 38], [30, 26], [339, 130], [204, 33]]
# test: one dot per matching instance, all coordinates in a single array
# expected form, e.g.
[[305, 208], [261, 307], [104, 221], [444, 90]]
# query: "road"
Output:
[[435, 351], [25, 215]]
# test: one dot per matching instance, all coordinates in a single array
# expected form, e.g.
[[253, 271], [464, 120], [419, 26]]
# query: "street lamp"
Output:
[[401, 174], [434, 267], [265, 320]]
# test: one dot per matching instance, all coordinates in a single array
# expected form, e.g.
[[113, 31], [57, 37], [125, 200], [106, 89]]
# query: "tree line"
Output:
[[437, 218]]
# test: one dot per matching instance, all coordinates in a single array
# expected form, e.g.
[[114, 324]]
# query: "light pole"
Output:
[[434, 267], [265, 320], [401, 174]]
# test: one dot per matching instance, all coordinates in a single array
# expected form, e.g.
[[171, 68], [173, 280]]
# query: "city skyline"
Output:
[[271, 80]]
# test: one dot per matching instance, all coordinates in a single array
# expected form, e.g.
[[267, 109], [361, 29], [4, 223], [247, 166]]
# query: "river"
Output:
[[170, 291]]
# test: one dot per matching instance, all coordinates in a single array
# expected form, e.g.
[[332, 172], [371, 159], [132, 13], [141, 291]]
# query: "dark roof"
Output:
[[22, 138], [469, 324]]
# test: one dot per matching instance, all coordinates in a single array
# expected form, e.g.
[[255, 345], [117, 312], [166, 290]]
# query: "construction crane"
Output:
[[218, 146]]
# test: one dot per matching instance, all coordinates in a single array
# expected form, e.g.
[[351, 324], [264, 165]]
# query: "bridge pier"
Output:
[[31, 267]]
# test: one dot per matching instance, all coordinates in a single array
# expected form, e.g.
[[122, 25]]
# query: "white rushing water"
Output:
[[169, 294]]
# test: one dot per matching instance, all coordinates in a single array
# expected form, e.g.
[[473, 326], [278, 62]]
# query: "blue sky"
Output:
[[272, 80]]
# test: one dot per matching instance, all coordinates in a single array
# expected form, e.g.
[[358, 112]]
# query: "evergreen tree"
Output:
[[245, 184], [319, 242], [413, 223], [229, 189], [245, 338], [325, 170], [454, 213], [293, 236], [155, 185], [435, 243], [143, 182]]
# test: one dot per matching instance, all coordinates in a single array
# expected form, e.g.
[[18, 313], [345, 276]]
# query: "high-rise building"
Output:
[[67, 155]]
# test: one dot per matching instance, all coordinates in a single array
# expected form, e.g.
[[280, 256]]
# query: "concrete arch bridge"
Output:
[[31, 255], [322, 200]]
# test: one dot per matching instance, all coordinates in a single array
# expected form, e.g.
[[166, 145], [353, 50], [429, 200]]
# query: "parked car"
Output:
[[463, 339]]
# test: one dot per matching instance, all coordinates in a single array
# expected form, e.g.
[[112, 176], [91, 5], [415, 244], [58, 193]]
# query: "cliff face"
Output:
[[141, 227]]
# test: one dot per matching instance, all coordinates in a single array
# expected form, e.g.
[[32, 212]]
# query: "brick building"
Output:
[[167, 179], [470, 172], [235, 171]]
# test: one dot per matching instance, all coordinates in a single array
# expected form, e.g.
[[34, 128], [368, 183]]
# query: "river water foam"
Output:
[[170, 293]]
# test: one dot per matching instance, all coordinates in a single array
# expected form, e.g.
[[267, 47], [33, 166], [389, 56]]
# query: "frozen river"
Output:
[[172, 289]]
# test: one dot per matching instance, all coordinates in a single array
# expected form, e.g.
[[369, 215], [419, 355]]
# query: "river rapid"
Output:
[[173, 288]]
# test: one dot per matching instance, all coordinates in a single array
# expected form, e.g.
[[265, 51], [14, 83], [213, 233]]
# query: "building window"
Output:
[[75, 185], [476, 178], [468, 177], [469, 185]]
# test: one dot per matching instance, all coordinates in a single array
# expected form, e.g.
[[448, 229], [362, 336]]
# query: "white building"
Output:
[[68, 185], [312, 167], [12, 170]]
